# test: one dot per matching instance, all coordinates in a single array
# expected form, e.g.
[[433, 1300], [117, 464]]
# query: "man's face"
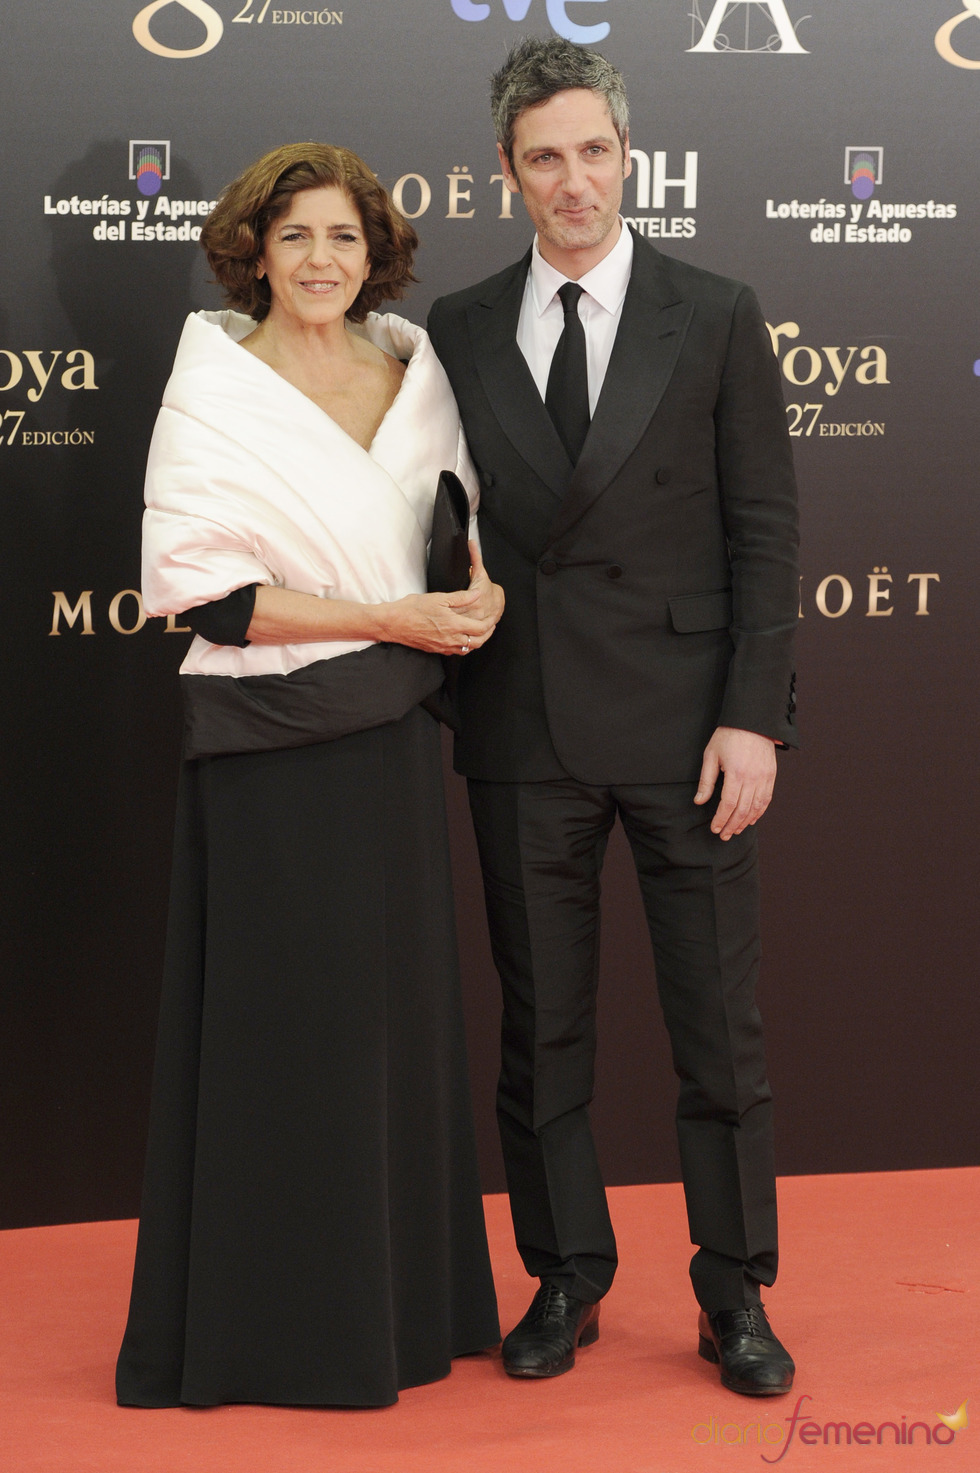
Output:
[[569, 167]]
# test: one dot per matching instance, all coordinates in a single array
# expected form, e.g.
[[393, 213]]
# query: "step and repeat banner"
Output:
[[822, 150]]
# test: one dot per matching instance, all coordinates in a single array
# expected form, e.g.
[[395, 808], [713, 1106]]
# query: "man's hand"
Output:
[[489, 601], [748, 761]]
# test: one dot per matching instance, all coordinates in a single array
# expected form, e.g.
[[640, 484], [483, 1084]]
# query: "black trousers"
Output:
[[541, 850]]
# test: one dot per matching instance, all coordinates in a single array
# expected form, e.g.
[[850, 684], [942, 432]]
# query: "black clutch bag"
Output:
[[448, 572], [449, 553]]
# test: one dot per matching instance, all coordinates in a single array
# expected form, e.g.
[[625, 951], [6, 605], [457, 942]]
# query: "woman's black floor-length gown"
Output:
[[312, 1228]]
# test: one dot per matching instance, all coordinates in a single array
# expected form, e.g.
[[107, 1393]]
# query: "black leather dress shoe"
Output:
[[544, 1342], [752, 1359]]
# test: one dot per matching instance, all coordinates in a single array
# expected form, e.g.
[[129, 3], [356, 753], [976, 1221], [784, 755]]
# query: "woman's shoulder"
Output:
[[208, 337], [215, 328], [209, 365], [425, 385], [394, 335]]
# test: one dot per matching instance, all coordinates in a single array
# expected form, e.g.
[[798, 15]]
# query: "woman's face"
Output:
[[315, 258]]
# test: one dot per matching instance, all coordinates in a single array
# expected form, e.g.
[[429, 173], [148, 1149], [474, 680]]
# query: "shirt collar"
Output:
[[605, 283]]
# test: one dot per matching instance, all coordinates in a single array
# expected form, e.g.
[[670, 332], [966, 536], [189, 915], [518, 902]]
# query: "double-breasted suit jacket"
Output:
[[652, 590]]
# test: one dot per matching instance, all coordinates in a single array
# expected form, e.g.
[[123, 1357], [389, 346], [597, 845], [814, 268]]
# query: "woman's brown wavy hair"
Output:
[[234, 233]]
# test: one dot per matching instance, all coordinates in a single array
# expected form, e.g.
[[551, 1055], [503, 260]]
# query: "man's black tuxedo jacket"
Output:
[[652, 591]]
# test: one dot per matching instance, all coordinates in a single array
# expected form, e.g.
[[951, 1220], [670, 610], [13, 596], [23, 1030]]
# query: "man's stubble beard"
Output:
[[567, 237]]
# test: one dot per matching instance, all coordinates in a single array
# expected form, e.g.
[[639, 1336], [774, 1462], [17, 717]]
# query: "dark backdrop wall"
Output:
[[826, 153]]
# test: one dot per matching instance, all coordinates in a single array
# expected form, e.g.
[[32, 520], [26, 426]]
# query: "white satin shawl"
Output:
[[248, 481]]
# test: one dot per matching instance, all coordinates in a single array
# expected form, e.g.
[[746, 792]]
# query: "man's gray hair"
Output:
[[536, 70]]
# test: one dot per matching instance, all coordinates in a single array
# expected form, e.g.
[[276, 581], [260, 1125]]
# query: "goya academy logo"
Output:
[[948, 39], [749, 27], [206, 27], [213, 25]]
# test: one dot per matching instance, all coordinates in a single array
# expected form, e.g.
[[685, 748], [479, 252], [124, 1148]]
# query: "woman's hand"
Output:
[[447, 623], [441, 623]]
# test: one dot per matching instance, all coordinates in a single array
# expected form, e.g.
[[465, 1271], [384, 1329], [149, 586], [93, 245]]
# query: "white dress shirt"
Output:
[[600, 308]]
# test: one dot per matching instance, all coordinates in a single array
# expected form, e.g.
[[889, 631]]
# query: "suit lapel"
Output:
[[651, 334], [508, 383]]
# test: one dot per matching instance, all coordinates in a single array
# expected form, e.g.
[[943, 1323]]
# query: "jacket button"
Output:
[[662, 476], [614, 571], [548, 566], [487, 477]]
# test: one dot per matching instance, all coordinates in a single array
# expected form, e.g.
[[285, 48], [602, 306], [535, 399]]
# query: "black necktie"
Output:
[[567, 397]]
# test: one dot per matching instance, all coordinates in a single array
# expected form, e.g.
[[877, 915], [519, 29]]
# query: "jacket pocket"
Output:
[[695, 613]]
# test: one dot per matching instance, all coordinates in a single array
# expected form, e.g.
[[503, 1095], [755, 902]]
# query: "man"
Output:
[[638, 506]]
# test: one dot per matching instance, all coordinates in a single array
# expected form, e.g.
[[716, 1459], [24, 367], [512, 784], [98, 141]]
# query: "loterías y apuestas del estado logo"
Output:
[[865, 216]]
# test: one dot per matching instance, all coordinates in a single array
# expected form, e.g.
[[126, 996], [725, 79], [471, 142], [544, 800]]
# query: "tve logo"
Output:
[[557, 11]]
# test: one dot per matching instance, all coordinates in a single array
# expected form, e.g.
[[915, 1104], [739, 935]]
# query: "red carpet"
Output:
[[875, 1300]]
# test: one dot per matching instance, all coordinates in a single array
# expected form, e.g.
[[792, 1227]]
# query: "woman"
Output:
[[312, 1228]]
